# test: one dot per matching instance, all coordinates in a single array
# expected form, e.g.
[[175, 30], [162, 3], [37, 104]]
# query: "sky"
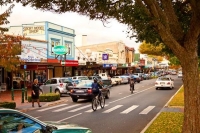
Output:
[[94, 29]]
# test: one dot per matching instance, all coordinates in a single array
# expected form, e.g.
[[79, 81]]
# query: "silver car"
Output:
[[58, 85]]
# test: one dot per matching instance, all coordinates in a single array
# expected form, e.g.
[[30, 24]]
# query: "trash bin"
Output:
[[3, 87]]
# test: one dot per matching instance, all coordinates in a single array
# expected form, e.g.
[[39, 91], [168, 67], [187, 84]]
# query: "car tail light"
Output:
[[61, 85], [72, 91], [156, 83], [89, 90], [168, 83]]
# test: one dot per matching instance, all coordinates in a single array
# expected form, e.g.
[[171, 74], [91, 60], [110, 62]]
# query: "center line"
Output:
[[69, 117]]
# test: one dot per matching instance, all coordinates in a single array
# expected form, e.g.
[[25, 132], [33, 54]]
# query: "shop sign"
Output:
[[105, 56], [50, 67], [114, 68], [60, 50], [33, 30], [107, 65], [70, 63], [81, 63]]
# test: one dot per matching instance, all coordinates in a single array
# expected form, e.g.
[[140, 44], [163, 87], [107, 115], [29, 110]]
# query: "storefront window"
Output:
[[40, 75]]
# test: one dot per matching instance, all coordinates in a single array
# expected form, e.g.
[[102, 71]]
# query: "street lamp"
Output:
[[154, 60]]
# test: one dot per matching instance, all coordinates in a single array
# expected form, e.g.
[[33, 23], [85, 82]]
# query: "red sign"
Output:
[[71, 63], [142, 62], [34, 67], [114, 68]]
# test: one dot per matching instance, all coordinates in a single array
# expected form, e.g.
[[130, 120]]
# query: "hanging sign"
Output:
[[60, 50]]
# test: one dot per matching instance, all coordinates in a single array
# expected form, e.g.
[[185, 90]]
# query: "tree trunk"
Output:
[[191, 93]]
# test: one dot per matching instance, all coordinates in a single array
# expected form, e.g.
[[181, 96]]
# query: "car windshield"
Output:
[[83, 78], [84, 84], [163, 79]]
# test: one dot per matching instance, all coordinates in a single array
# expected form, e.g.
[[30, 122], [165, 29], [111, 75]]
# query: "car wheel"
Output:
[[107, 95], [40, 92], [138, 81], [156, 88], [74, 99], [57, 92]]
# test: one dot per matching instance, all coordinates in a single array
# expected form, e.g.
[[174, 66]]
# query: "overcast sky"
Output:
[[95, 30]]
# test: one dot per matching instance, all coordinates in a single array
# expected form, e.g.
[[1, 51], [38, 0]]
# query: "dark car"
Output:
[[84, 91], [136, 78], [97, 77]]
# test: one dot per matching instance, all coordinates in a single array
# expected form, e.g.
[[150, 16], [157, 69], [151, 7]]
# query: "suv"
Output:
[[59, 85]]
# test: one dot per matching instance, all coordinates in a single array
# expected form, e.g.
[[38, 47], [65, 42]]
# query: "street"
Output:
[[124, 112]]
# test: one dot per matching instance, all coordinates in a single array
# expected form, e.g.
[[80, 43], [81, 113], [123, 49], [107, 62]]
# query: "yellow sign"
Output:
[[33, 30]]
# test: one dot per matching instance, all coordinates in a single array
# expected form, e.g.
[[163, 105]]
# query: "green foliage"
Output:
[[49, 97], [10, 105], [174, 61]]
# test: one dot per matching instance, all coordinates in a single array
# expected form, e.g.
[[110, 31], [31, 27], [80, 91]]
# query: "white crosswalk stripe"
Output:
[[147, 110], [113, 108], [129, 109], [52, 107], [69, 107], [91, 110], [74, 110]]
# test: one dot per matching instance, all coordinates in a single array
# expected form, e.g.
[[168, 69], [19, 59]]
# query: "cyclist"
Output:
[[132, 84], [95, 88]]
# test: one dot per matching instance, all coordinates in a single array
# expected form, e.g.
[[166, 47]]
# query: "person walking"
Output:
[[35, 93]]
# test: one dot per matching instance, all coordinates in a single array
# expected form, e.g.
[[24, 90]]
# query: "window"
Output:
[[15, 123], [53, 81], [68, 45], [48, 82], [54, 42]]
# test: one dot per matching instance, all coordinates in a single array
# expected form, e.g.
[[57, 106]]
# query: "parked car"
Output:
[[180, 74], [125, 79], [146, 76], [59, 85], [173, 72], [136, 78], [84, 91], [139, 75], [18, 122], [164, 82], [92, 77], [117, 79]]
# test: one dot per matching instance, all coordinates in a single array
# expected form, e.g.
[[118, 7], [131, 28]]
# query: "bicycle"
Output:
[[131, 88], [98, 100]]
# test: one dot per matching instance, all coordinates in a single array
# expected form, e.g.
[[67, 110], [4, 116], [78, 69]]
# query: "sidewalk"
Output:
[[26, 106]]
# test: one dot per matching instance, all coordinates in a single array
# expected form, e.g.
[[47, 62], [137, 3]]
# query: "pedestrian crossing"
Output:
[[106, 110]]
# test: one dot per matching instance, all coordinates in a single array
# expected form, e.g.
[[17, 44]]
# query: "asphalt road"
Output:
[[124, 112]]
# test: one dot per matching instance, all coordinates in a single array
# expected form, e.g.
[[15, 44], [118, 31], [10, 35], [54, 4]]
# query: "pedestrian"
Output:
[[35, 93], [132, 84]]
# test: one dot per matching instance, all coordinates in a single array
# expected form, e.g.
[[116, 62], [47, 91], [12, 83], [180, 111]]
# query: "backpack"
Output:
[[95, 87]]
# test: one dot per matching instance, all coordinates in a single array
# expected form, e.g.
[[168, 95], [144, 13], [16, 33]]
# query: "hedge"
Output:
[[48, 97], [10, 105]]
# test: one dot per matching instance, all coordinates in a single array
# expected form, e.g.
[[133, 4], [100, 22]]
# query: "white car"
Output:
[[164, 82], [180, 74], [124, 79]]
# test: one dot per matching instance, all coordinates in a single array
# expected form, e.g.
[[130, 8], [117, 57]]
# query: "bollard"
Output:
[[12, 93], [50, 89], [26, 91], [22, 95]]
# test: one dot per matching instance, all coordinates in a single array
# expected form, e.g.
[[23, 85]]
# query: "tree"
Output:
[[174, 23], [9, 45]]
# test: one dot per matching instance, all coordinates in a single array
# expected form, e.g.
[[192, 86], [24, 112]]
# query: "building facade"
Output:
[[39, 50], [119, 59]]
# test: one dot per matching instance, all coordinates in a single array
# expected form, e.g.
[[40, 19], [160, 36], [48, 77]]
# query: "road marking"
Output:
[[147, 110], [69, 117], [112, 109], [58, 110], [91, 110], [131, 95], [80, 108], [129, 109], [51, 107]]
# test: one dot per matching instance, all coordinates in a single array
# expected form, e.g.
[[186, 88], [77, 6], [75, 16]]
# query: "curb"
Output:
[[45, 105], [166, 105]]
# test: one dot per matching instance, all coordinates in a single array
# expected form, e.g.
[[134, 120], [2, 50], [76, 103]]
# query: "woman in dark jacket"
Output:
[[35, 93]]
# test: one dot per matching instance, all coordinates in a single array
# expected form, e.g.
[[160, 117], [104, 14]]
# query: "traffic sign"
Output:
[[25, 66]]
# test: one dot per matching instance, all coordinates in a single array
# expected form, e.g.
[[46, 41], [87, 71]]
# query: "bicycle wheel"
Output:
[[131, 90], [102, 101], [94, 104]]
